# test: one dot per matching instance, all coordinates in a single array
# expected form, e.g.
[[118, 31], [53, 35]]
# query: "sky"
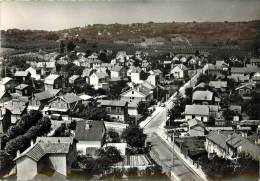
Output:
[[57, 15]]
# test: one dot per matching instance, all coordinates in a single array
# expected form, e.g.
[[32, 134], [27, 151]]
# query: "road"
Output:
[[163, 154], [160, 149]]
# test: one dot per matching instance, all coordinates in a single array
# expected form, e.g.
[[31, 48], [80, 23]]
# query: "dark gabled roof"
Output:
[[218, 138], [89, 130], [47, 145]]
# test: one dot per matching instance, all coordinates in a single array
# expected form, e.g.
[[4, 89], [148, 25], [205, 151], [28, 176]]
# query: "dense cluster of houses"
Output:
[[43, 88], [19, 94], [207, 115]]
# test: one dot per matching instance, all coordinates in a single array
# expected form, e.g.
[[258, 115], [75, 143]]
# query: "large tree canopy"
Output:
[[134, 136]]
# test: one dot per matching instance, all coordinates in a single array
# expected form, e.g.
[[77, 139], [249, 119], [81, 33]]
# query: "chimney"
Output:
[[18, 153]]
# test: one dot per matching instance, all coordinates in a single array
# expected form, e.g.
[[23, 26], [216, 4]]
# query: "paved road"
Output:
[[160, 148], [168, 159]]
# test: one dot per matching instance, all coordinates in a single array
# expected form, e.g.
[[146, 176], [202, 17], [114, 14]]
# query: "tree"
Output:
[[188, 94], [113, 136], [142, 109], [254, 107], [144, 75], [103, 57], [5, 163], [70, 46], [111, 154], [116, 89], [134, 136]]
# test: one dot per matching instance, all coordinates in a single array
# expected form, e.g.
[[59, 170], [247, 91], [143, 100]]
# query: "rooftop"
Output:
[[89, 130], [202, 95], [119, 103], [47, 145], [51, 78], [202, 110]]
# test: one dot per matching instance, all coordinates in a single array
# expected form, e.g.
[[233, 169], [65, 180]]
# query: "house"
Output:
[[132, 107], [146, 66], [138, 94], [158, 73], [200, 112], [23, 90], [5, 120], [249, 69], [118, 72], [99, 80], [7, 84], [75, 79], [218, 85], [90, 136], [17, 108], [152, 79], [179, 71], [196, 127], [46, 68], [56, 153], [236, 144], [202, 97], [61, 105], [22, 76], [213, 70], [240, 79], [245, 90], [41, 99], [86, 74], [255, 62], [116, 109], [256, 77], [223, 64], [134, 73], [53, 81], [216, 144], [33, 73]]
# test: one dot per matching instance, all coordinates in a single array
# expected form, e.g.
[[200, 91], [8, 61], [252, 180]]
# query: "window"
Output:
[[118, 109], [133, 92], [108, 109]]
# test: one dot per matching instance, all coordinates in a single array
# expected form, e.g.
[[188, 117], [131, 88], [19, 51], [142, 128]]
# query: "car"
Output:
[[162, 105]]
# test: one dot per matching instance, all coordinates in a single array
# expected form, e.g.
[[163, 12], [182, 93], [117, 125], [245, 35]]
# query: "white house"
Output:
[[99, 80], [89, 135], [137, 94], [179, 71], [33, 73], [135, 75]]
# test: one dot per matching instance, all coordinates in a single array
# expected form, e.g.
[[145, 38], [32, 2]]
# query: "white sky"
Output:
[[61, 15]]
